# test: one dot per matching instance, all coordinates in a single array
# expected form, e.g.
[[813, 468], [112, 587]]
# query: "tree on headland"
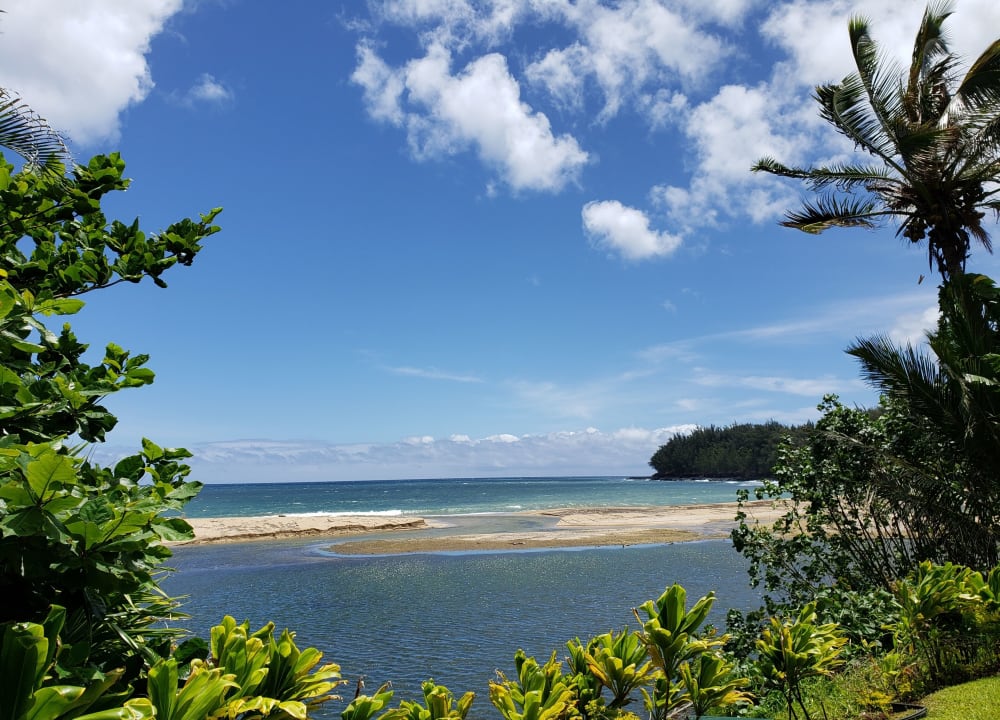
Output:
[[934, 140], [740, 450]]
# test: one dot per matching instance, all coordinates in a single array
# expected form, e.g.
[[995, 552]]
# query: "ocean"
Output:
[[453, 617]]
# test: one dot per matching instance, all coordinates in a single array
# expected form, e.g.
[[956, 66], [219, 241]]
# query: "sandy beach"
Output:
[[570, 527]]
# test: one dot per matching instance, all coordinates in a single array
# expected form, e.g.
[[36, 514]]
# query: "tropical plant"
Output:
[[794, 650], [870, 495], [947, 622], [934, 139], [710, 682], [618, 662], [365, 707], [31, 690], [954, 395], [670, 631], [671, 636], [540, 692], [273, 678], [439, 704]]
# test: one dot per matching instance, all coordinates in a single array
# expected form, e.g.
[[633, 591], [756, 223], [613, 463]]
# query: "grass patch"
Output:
[[977, 700]]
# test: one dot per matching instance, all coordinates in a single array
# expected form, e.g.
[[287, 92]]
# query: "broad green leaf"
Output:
[[59, 306], [52, 701], [48, 472]]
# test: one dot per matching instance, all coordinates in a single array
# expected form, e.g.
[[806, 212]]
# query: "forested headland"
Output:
[[740, 450]]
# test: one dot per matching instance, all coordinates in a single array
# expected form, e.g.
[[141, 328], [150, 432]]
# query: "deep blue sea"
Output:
[[455, 617]]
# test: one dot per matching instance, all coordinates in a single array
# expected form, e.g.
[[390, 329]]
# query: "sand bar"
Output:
[[569, 527], [271, 527]]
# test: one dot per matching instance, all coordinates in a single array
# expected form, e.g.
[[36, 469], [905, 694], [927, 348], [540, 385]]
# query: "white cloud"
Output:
[[208, 90], [457, 22], [382, 86], [730, 133], [727, 12], [433, 374], [80, 64], [779, 119], [912, 328], [808, 387], [477, 109], [572, 452], [626, 48], [626, 231]]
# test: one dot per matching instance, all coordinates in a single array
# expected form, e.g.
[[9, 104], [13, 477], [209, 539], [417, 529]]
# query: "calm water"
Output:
[[454, 617]]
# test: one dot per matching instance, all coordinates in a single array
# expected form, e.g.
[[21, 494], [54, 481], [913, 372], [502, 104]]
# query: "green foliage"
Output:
[[197, 698], [744, 450], [365, 707], [439, 704], [709, 683], [691, 670], [670, 632], [29, 690], [795, 650], [619, 662], [28, 134], [539, 692], [272, 676], [866, 499], [73, 533], [947, 622], [248, 676]]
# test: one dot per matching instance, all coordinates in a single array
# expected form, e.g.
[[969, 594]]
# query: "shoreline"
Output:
[[565, 528]]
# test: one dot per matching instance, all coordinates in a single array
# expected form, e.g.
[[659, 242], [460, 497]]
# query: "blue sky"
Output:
[[473, 238]]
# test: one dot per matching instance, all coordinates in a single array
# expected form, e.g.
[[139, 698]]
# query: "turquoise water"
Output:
[[454, 617], [453, 496]]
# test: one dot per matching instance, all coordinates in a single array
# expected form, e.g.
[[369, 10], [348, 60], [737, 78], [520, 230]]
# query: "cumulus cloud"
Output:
[[652, 58], [625, 230], [87, 59], [729, 133], [737, 125], [207, 90], [478, 109]]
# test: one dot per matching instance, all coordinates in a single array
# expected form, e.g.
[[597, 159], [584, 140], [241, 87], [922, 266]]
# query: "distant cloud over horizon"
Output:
[[586, 452]]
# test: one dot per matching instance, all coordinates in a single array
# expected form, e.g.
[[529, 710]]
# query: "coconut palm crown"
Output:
[[933, 136]]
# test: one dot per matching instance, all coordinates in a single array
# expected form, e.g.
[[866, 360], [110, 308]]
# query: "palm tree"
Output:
[[934, 143], [955, 397], [30, 136]]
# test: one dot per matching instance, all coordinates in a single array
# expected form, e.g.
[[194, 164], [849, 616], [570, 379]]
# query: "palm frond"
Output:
[[828, 212], [878, 75], [770, 165], [981, 84], [843, 176], [848, 177], [908, 374], [30, 136], [925, 96], [847, 107]]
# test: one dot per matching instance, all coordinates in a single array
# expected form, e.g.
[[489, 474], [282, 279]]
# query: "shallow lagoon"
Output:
[[454, 617]]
